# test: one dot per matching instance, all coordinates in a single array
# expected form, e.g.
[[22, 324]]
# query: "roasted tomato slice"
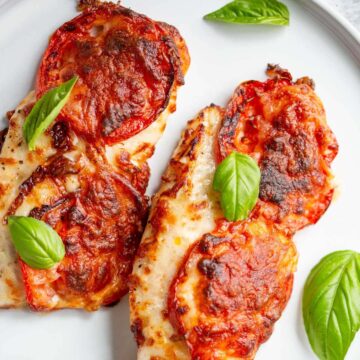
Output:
[[127, 65], [101, 226], [231, 289], [282, 124]]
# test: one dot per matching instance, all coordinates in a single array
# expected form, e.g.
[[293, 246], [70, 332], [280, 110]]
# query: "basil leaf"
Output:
[[270, 12], [45, 111], [331, 304], [237, 178], [37, 244]]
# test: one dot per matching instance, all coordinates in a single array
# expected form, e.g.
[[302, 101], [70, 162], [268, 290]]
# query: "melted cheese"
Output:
[[141, 146], [177, 220], [16, 165]]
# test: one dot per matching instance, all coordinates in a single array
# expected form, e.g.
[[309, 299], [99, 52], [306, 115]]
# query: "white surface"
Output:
[[222, 56]]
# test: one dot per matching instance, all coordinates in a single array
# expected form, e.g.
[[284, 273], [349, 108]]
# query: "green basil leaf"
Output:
[[45, 111], [270, 12], [37, 244], [331, 304], [237, 178]]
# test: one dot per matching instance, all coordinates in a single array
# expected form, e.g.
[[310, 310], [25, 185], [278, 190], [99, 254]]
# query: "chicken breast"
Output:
[[88, 174], [206, 288]]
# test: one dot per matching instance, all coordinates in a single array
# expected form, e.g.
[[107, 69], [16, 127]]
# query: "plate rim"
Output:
[[334, 21]]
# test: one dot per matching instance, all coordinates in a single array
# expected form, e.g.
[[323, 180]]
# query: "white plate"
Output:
[[222, 56]]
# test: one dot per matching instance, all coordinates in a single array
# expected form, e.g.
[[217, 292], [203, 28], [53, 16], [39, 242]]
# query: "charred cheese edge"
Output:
[[184, 209]]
